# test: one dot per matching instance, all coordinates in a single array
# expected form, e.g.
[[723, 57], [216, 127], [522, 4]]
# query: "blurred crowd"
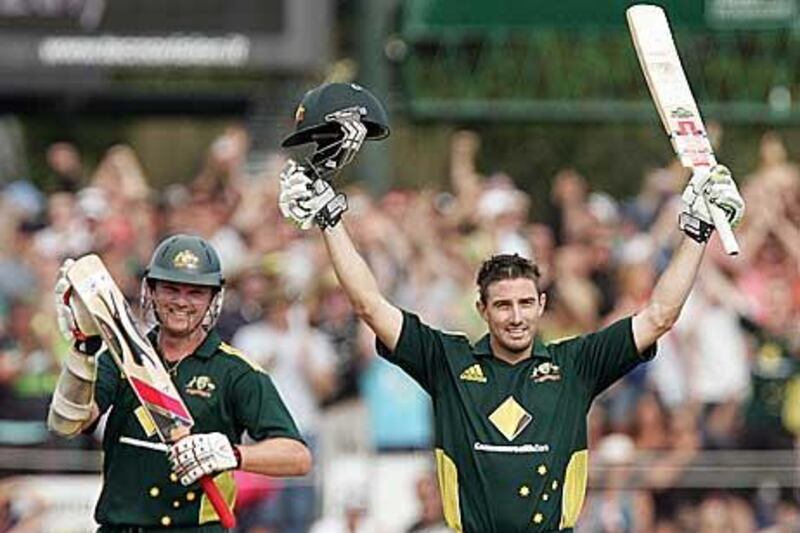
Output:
[[726, 378]]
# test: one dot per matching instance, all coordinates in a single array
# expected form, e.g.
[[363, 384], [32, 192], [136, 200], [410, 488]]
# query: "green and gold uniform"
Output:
[[224, 393], [510, 440]]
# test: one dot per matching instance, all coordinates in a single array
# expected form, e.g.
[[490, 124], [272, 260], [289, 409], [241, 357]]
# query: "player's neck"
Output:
[[176, 347], [508, 356]]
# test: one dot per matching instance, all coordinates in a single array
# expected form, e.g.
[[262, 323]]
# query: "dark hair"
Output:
[[505, 266]]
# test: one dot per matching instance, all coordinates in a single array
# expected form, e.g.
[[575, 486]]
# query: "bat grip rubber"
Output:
[[226, 517], [724, 230]]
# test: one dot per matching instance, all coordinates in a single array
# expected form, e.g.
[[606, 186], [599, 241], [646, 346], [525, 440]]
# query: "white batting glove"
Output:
[[305, 200], [717, 188], [74, 321], [203, 454], [353, 133]]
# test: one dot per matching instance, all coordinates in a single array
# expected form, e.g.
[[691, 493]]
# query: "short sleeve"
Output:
[[259, 409], [418, 352], [607, 355]]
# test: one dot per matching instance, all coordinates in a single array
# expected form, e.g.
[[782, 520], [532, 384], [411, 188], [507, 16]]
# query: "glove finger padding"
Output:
[[197, 455], [304, 200], [74, 320], [716, 188], [295, 187], [695, 204], [721, 190]]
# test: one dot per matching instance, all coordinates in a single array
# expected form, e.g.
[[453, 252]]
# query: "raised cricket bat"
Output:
[[675, 103], [138, 361]]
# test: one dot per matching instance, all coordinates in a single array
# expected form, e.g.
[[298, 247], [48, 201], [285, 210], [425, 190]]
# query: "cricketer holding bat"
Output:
[[510, 411], [145, 489]]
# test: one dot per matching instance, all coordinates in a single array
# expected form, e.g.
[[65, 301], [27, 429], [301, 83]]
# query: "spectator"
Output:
[[300, 359], [431, 516], [66, 166]]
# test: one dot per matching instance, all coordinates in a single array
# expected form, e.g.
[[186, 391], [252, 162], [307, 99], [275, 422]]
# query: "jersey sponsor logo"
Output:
[[200, 386], [473, 373], [186, 259], [510, 418], [546, 372], [522, 448]]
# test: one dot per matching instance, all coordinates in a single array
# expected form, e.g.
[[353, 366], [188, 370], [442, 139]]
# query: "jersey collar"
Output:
[[209, 345], [484, 349]]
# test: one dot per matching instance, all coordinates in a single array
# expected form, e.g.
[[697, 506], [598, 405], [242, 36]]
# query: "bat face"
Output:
[[131, 350]]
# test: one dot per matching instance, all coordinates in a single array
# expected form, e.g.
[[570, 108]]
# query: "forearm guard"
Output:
[[73, 399]]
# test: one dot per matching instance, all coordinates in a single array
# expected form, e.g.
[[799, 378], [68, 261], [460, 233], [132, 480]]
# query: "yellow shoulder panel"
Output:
[[230, 350], [559, 340]]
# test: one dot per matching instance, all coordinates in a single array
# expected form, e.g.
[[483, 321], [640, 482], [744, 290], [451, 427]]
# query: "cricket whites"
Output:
[[675, 103], [138, 361]]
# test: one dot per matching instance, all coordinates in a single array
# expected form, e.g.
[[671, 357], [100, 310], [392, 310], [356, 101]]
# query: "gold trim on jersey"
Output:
[[791, 406], [145, 420], [448, 486], [230, 350], [574, 489]]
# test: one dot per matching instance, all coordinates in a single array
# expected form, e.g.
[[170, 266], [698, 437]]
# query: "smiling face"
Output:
[[181, 307], [512, 309]]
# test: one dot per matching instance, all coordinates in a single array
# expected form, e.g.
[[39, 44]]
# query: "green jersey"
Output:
[[510, 440], [225, 393]]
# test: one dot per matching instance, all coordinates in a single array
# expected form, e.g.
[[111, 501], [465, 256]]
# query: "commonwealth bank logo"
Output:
[[510, 418], [473, 373]]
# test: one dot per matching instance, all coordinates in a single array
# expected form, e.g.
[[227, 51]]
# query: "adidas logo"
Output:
[[473, 373]]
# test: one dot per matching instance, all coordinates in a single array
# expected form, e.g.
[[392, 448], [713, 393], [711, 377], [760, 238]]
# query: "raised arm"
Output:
[[361, 288], [307, 201], [675, 284], [669, 295]]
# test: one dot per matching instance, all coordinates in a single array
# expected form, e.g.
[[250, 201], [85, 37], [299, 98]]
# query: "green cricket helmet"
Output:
[[312, 122], [186, 259]]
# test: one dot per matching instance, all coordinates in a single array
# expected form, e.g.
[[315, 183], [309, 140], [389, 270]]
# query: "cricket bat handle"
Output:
[[226, 517], [724, 230]]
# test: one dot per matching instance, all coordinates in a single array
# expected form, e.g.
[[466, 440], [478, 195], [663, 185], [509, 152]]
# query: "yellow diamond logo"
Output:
[[510, 418]]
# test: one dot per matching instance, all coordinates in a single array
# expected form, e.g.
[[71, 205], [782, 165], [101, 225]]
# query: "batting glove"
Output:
[[717, 188], [74, 321], [306, 201], [195, 456]]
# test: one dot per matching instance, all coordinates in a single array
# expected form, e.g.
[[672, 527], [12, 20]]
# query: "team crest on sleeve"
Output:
[[546, 371]]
